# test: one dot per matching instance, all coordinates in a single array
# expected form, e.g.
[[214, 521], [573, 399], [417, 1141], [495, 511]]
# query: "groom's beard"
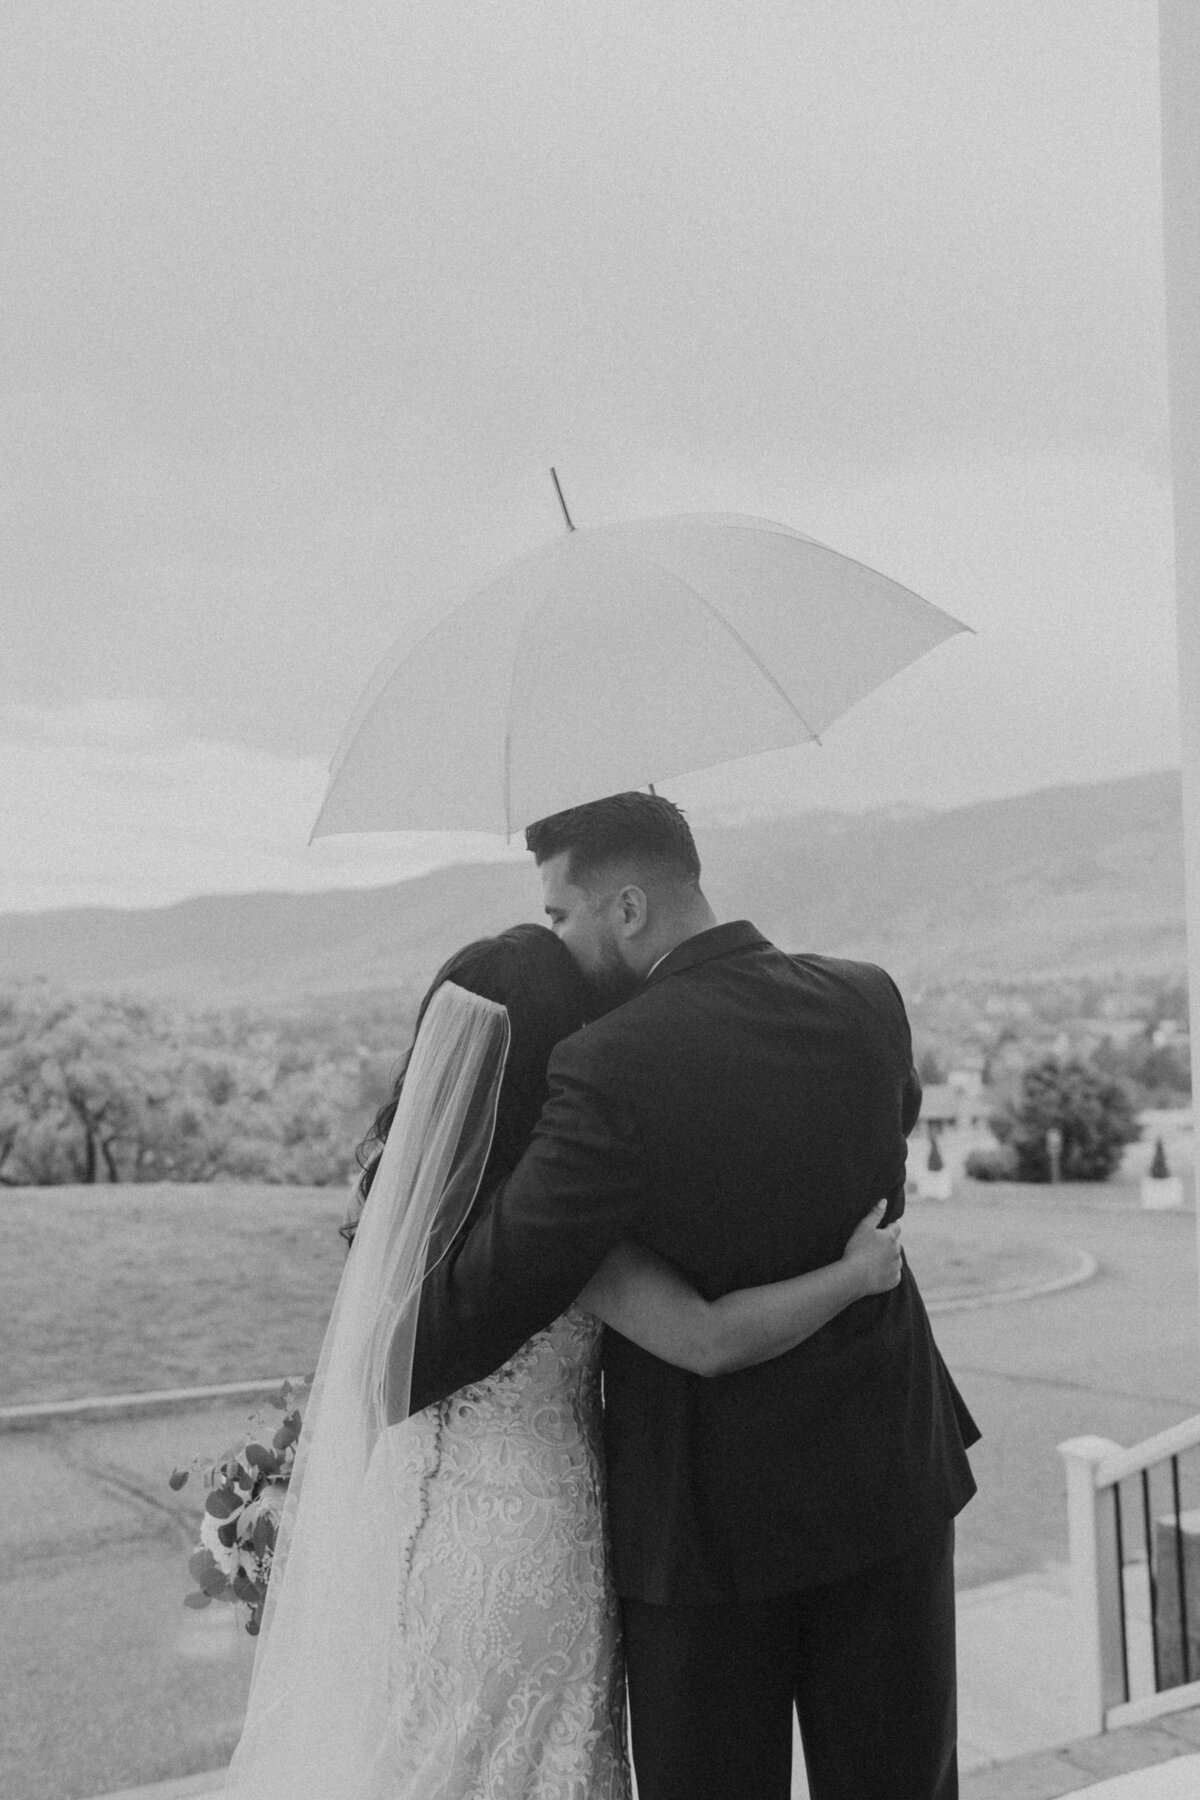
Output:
[[610, 980]]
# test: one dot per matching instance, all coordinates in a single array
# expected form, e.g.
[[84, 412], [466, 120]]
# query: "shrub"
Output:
[[1093, 1112], [999, 1164]]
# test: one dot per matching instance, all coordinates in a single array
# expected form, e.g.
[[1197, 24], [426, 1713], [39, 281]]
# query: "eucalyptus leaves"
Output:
[[247, 1486]]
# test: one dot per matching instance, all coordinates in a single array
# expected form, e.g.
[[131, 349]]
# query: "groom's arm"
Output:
[[576, 1192]]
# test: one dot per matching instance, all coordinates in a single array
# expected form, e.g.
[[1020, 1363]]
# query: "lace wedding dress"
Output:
[[439, 1623], [505, 1672]]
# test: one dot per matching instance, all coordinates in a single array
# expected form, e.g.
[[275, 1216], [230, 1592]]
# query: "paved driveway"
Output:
[[108, 1681], [1119, 1356]]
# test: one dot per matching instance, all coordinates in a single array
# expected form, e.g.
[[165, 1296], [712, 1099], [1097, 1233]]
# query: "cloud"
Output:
[[103, 806], [1063, 568], [301, 302], [877, 233], [100, 723]]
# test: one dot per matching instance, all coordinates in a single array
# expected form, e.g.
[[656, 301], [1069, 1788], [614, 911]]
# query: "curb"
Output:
[[1152, 1761], [1113, 1197], [1051, 1578], [1084, 1268], [37, 1413], [210, 1782]]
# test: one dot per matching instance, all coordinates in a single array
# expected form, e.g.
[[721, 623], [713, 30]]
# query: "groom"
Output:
[[784, 1535]]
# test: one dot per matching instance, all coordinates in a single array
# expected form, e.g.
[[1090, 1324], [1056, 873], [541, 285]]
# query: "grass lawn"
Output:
[[110, 1290]]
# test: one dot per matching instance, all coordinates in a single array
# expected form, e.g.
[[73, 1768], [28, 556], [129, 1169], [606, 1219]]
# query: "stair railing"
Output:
[[1133, 1518]]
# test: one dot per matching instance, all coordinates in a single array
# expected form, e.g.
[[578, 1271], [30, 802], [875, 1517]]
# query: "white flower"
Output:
[[267, 1504], [225, 1557]]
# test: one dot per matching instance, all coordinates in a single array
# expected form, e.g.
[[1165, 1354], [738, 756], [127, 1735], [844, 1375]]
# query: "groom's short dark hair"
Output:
[[632, 827]]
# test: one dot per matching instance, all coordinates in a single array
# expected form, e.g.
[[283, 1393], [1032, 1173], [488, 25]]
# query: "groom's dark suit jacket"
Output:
[[739, 1115]]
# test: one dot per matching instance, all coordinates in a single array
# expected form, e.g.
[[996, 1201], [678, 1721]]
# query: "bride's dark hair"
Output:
[[528, 972]]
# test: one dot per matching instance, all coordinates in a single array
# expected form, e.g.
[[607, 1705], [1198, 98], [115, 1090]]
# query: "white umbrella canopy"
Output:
[[614, 658]]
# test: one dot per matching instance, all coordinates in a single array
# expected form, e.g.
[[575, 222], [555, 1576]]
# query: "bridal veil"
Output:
[[319, 1724]]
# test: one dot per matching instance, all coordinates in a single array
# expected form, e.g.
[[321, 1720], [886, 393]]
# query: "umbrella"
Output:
[[614, 658]]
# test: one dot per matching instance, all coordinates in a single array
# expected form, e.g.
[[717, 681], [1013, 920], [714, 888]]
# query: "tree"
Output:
[[1093, 1112], [1158, 1074], [83, 1083], [104, 1089], [38, 1129]]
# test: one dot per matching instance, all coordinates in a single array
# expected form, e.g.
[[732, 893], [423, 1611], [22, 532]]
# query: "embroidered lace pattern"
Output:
[[506, 1666]]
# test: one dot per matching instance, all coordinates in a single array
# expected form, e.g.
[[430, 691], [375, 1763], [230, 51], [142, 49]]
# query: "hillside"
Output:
[[1073, 879]]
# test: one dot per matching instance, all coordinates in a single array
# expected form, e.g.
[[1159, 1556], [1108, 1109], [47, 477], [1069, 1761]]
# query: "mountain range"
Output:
[[1082, 879]]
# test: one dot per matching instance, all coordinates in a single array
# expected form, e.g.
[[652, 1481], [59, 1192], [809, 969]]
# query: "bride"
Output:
[[440, 1623]]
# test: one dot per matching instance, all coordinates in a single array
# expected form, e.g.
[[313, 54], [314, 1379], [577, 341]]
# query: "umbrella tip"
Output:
[[558, 490]]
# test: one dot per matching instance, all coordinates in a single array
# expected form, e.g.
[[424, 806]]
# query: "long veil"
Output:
[[318, 1725]]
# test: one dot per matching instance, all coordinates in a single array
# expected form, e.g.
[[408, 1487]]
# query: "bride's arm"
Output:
[[649, 1301]]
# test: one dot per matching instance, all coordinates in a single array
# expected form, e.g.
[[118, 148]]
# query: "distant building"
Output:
[[1122, 1032], [1083, 1037], [949, 1106]]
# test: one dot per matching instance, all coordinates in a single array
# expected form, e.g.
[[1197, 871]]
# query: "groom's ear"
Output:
[[632, 910]]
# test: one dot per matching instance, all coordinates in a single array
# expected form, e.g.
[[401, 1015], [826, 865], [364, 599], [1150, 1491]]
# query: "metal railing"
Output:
[[1134, 1528]]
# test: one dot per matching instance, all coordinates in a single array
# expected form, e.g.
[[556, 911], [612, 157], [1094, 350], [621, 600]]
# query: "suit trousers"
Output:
[[867, 1662]]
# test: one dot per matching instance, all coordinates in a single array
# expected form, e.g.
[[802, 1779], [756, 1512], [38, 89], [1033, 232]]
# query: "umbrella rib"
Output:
[[741, 643]]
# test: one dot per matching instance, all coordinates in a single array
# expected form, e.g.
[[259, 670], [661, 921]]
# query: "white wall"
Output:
[[1179, 32]]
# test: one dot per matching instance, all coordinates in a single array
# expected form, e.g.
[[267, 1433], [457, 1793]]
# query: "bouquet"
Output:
[[247, 1487]]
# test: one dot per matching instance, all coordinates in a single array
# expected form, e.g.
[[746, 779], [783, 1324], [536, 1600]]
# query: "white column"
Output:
[[1179, 50], [1095, 1585]]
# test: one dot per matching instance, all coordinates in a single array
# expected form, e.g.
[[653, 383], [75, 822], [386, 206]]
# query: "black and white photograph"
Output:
[[599, 886]]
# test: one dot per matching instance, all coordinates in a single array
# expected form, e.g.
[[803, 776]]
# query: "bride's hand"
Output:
[[874, 1249]]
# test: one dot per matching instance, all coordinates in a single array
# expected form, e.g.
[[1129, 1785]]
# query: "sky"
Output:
[[302, 301]]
